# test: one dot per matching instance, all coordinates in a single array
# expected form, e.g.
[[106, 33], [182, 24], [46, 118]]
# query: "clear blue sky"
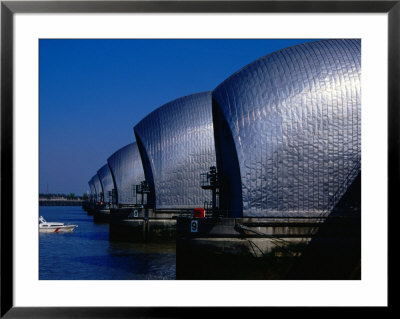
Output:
[[93, 92]]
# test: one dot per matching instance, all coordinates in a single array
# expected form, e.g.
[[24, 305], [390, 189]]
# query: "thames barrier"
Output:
[[258, 178]]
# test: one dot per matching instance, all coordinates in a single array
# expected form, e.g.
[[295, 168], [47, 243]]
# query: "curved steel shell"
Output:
[[176, 143], [98, 187], [107, 183], [127, 171], [288, 130], [92, 187]]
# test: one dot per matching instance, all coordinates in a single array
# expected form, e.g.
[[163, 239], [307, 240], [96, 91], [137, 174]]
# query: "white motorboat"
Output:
[[54, 227]]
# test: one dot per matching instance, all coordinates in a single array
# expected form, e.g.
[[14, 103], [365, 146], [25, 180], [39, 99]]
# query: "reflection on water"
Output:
[[87, 253]]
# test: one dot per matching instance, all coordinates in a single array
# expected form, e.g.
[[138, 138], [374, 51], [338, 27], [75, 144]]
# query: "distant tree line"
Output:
[[85, 196]]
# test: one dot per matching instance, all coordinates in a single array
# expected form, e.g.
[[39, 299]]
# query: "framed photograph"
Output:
[[33, 34]]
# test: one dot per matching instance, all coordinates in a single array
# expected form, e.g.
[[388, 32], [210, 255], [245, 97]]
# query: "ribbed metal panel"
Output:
[[288, 130], [98, 187], [127, 170], [176, 143], [107, 183]]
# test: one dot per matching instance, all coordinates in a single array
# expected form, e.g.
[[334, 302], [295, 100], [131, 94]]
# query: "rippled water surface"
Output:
[[86, 253]]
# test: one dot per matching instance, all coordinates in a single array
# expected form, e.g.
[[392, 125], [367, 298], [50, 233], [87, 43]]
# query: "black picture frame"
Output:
[[9, 8]]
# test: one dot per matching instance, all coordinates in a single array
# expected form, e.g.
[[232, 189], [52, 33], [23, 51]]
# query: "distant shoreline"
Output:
[[61, 202]]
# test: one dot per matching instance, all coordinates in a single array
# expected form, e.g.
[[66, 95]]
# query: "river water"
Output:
[[87, 254]]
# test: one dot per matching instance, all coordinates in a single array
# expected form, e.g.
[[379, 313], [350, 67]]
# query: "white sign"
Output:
[[194, 226]]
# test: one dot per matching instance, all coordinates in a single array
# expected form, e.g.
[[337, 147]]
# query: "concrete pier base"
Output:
[[90, 211], [89, 207], [142, 225], [267, 248], [101, 215], [235, 259]]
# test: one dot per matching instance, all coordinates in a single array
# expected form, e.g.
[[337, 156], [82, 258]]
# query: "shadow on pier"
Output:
[[327, 248], [335, 250]]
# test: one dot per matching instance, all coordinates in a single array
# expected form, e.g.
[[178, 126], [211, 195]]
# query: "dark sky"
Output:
[[93, 92]]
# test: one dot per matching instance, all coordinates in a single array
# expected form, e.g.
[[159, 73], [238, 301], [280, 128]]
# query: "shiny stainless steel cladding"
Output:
[[127, 170], [107, 183], [288, 130], [98, 187], [176, 143], [92, 188]]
